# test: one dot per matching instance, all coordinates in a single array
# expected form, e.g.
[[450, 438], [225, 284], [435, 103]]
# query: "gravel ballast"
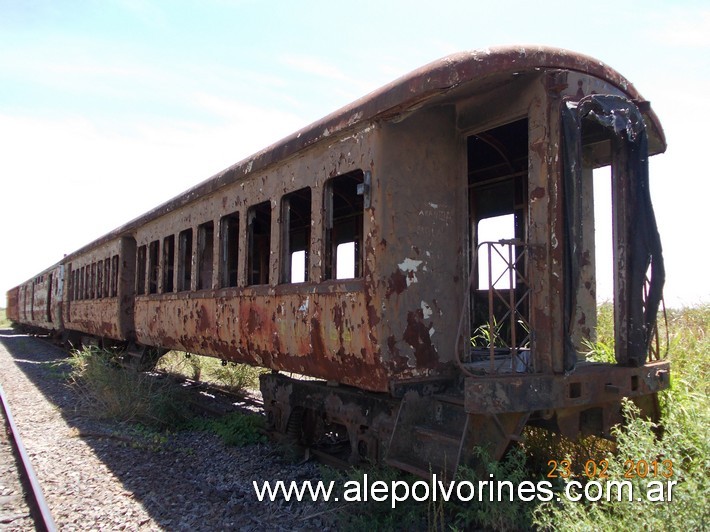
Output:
[[102, 475]]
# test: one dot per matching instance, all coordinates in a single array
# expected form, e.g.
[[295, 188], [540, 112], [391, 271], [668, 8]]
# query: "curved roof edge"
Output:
[[397, 96]]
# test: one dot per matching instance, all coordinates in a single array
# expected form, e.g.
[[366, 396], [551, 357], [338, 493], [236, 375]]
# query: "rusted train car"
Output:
[[37, 303], [426, 253]]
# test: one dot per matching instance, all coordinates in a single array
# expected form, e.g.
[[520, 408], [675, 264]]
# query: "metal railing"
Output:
[[504, 339]]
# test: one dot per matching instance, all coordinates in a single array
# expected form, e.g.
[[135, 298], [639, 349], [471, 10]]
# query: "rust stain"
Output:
[[396, 283], [417, 336]]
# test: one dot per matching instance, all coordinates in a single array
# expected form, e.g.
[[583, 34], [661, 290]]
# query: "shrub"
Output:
[[108, 390], [636, 441], [494, 515], [685, 441]]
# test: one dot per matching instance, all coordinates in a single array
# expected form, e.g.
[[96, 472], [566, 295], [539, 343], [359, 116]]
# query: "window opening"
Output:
[[114, 276], [107, 278], [100, 279], [169, 264], [205, 255], [141, 270], [493, 260], [229, 249], [92, 292], [49, 298], [500, 298], [259, 221], [296, 235], [87, 282], [153, 265], [185, 260], [344, 206]]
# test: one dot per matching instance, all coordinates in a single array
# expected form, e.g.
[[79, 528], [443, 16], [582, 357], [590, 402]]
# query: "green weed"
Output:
[[512, 514], [235, 429], [684, 442], [678, 452]]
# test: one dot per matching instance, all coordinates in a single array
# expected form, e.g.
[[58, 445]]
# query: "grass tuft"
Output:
[[109, 391], [235, 429]]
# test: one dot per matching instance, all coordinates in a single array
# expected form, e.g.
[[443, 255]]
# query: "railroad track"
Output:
[[34, 496]]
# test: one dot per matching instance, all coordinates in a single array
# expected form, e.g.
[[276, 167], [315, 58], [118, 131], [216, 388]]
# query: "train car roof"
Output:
[[473, 68]]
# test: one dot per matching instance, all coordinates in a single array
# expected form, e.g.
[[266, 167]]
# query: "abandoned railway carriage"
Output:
[[427, 253]]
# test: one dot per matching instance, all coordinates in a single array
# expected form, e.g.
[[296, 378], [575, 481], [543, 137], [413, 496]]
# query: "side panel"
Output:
[[316, 334], [126, 289], [417, 286], [326, 328], [13, 301], [38, 304], [96, 317], [93, 303]]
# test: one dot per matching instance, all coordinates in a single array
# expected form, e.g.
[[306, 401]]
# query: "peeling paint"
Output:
[[410, 266], [426, 310], [304, 306]]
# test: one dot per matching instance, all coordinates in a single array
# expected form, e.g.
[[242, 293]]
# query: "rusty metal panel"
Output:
[[590, 384], [95, 317], [322, 334], [39, 300], [13, 301]]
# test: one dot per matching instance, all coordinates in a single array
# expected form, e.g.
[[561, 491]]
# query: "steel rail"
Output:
[[38, 505]]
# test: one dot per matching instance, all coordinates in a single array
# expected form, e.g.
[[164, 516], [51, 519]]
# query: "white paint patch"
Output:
[[426, 310], [410, 266], [431, 332], [433, 205], [304, 306]]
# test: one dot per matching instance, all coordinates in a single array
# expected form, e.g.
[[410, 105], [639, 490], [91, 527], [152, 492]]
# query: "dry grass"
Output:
[[107, 390], [232, 377]]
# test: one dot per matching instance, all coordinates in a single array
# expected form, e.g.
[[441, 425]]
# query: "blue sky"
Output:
[[108, 108]]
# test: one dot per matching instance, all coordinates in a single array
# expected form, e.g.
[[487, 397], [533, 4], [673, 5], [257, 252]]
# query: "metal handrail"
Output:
[[512, 303]]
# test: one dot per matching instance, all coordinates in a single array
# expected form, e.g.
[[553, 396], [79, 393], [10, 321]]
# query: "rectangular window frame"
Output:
[[205, 255], [153, 266], [185, 251], [168, 264], [229, 250], [340, 192], [259, 243], [141, 269], [296, 224]]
